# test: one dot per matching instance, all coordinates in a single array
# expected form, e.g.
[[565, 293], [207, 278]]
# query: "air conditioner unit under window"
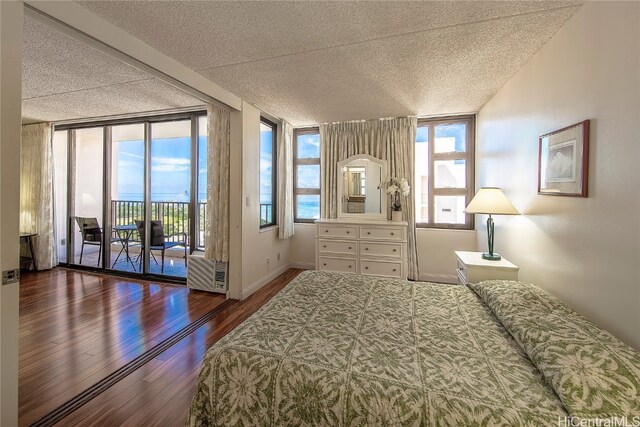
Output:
[[206, 275]]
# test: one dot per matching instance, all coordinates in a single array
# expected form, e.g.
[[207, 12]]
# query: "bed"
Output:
[[345, 349]]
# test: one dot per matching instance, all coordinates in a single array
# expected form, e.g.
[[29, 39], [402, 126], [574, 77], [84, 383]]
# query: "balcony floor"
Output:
[[174, 262]]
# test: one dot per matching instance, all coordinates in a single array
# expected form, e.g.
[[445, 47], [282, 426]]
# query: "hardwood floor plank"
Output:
[[161, 391], [78, 327]]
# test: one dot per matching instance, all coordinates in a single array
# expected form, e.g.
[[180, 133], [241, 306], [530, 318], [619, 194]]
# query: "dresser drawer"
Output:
[[462, 273], [337, 246], [381, 268], [337, 231], [377, 233], [337, 264], [381, 249]]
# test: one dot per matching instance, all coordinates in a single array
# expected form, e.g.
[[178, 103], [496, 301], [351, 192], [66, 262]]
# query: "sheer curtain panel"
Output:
[[218, 151], [392, 140], [285, 181], [36, 191]]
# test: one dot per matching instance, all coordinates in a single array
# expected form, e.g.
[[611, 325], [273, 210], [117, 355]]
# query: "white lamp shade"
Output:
[[491, 200]]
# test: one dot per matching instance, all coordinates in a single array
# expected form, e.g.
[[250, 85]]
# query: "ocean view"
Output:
[[161, 197], [309, 210]]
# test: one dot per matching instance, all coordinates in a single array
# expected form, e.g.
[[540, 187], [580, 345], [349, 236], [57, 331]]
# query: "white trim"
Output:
[[303, 265], [439, 278], [141, 115], [269, 228], [75, 21], [263, 281], [383, 195]]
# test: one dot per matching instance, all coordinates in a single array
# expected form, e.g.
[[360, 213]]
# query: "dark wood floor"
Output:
[[100, 334], [78, 327]]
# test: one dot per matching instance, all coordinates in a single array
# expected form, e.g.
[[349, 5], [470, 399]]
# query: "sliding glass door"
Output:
[[87, 201], [127, 177], [127, 190], [170, 197]]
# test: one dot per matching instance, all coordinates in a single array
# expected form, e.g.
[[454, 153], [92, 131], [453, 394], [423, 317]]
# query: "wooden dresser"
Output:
[[371, 247]]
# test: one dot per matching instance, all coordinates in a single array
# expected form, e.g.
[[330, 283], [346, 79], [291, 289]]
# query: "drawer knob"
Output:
[[349, 266], [392, 234], [394, 269], [395, 250], [326, 231], [349, 247], [325, 264], [366, 249], [347, 231], [366, 268], [324, 246], [368, 232]]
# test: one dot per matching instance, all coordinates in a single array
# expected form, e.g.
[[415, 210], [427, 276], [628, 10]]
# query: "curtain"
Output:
[[36, 192], [218, 152], [392, 140], [285, 181]]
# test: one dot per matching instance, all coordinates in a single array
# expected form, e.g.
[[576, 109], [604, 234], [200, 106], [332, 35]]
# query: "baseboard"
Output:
[[303, 265], [263, 281], [439, 278]]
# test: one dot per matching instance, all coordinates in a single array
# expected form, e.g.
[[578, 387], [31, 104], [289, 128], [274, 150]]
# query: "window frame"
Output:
[[107, 124], [305, 161], [274, 175], [468, 156]]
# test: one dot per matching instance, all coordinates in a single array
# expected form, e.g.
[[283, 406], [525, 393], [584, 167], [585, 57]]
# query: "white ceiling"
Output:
[[64, 79], [314, 62]]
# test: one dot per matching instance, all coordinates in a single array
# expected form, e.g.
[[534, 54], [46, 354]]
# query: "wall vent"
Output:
[[206, 275]]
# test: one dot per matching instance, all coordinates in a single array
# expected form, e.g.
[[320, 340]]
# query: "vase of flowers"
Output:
[[395, 187]]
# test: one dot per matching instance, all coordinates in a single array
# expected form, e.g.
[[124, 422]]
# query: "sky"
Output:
[[170, 169], [443, 132], [266, 163]]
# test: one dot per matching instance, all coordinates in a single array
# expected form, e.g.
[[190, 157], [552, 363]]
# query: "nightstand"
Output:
[[472, 268]]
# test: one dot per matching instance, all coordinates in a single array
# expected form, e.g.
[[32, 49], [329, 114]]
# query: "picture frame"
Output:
[[563, 161]]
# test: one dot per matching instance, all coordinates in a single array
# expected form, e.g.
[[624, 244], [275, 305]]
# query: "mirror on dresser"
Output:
[[359, 194]]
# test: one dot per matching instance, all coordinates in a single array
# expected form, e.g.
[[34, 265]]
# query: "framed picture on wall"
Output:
[[563, 161]]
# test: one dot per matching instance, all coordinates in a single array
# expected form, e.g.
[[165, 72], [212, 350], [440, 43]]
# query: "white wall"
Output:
[[586, 251], [303, 246], [436, 257], [10, 103], [260, 248], [235, 206]]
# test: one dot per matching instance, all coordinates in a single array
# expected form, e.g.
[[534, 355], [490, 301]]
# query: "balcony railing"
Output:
[[266, 213], [174, 217]]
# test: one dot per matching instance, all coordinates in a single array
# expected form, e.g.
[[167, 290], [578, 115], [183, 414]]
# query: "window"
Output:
[[201, 199], [116, 169], [268, 165], [306, 171], [444, 172]]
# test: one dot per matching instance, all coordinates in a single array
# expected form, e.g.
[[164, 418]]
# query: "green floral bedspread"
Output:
[[345, 349], [596, 376]]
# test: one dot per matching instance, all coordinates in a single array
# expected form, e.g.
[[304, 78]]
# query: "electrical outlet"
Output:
[[10, 276], [268, 260], [63, 242]]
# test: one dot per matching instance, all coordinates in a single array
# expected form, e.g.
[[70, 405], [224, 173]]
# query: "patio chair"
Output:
[[159, 241], [91, 234]]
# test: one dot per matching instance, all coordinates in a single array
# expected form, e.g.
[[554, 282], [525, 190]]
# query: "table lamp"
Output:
[[491, 201]]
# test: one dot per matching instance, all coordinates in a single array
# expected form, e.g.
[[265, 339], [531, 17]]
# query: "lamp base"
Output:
[[491, 257]]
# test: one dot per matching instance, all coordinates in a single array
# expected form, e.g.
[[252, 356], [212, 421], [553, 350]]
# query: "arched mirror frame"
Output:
[[341, 190]]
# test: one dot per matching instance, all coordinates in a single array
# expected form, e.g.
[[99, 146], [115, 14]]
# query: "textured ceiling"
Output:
[[314, 62], [64, 79]]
